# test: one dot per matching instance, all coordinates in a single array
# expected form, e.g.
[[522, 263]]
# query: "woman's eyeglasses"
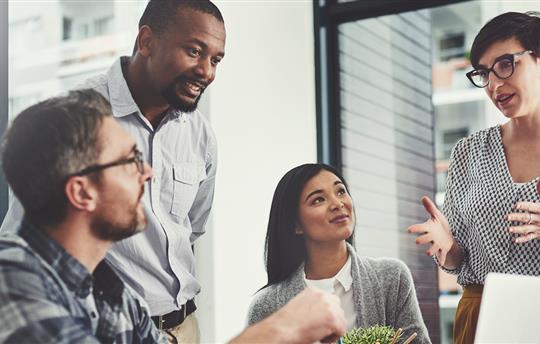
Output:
[[503, 68]]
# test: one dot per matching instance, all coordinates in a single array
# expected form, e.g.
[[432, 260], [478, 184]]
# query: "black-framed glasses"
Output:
[[503, 68], [137, 159]]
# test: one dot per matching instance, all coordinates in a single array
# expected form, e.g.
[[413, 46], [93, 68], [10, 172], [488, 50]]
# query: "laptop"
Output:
[[510, 310]]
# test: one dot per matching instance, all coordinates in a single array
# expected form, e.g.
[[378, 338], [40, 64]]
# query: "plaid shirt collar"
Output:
[[73, 273]]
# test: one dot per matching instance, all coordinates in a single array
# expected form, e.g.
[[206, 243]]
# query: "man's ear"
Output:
[[145, 40], [81, 193]]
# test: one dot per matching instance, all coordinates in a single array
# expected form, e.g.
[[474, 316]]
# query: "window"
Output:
[[103, 26], [83, 28], [450, 138], [452, 46], [441, 186], [67, 27]]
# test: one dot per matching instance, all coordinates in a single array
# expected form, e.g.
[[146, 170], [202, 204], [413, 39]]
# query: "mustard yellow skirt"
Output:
[[467, 314]]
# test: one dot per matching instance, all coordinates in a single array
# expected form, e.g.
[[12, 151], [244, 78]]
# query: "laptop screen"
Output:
[[510, 310]]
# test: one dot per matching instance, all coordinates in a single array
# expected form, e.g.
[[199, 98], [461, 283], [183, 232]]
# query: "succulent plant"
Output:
[[371, 335]]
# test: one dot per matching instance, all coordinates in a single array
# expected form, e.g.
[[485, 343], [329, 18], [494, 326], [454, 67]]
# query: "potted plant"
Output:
[[376, 335]]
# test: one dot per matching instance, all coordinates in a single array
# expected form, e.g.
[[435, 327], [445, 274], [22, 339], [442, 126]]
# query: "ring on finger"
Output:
[[531, 236], [530, 219]]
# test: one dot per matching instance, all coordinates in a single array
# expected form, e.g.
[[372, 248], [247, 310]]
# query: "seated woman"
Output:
[[309, 243]]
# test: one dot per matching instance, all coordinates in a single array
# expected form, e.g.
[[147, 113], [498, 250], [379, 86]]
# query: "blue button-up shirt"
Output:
[[159, 263], [43, 291]]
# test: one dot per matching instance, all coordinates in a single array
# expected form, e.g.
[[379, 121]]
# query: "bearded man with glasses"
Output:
[[80, 180], [491, 215]]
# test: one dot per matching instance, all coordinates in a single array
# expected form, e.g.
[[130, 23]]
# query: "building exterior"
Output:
[[55, 45]]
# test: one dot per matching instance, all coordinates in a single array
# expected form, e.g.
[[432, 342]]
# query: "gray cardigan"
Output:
[[383, 293]]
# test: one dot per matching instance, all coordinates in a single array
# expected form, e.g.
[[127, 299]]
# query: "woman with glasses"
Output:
[[308, 244], [491, 213]]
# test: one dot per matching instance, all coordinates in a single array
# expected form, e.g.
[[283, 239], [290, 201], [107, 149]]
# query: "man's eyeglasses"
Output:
[[137, 159], [503, 68]]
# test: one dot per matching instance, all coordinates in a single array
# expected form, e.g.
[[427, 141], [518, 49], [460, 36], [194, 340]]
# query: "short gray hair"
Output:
[[46, 144]]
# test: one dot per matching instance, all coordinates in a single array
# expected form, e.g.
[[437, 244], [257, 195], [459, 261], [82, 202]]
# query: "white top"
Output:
[[341, 286]]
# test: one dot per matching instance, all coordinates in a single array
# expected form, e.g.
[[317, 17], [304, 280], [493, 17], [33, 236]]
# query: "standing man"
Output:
[[154, 96]]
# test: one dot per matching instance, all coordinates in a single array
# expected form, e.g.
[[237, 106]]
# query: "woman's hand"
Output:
[[530, 229], [435, 231]]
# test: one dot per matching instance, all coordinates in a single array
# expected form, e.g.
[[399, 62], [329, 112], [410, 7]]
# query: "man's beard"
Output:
[[172, 98], [106, 226]]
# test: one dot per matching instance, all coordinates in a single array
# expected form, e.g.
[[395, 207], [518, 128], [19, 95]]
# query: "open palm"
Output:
[[435, 232]]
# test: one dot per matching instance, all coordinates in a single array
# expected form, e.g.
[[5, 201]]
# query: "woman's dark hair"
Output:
[[284, 250], [525, 27]]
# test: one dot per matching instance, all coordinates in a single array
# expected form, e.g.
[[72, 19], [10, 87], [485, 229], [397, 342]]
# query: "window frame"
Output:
[[327, 16]]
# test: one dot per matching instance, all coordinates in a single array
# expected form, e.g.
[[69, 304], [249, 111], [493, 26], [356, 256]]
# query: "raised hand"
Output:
[[435, 232]]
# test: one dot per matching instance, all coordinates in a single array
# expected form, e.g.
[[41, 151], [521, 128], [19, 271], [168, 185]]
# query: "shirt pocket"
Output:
[[186, 180]]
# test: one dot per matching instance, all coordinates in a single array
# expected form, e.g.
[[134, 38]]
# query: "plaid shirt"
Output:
[[42, 292]]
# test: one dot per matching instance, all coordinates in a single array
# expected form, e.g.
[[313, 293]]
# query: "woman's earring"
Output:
[[298, 231]]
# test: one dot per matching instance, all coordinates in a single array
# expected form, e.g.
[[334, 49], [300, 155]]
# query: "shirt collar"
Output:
[[344, 276], [74, 274], [120, 97], [122, 102]]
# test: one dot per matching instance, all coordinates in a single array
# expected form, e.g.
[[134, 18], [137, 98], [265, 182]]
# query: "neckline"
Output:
[[343, 277], [504, 162]]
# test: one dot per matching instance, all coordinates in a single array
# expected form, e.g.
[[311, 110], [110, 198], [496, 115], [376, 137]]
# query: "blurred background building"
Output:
[[379, 92], [54, 45]]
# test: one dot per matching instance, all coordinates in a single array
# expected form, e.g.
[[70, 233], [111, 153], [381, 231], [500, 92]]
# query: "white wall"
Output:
[[262, 106]]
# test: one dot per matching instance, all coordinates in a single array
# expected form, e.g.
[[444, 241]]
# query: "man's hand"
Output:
[[313, 315]]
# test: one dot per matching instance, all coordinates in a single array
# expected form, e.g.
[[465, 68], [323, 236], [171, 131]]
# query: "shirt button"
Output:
[[93, 315]]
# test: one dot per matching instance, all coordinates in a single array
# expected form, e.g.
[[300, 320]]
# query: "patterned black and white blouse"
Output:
[[479, 193]]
